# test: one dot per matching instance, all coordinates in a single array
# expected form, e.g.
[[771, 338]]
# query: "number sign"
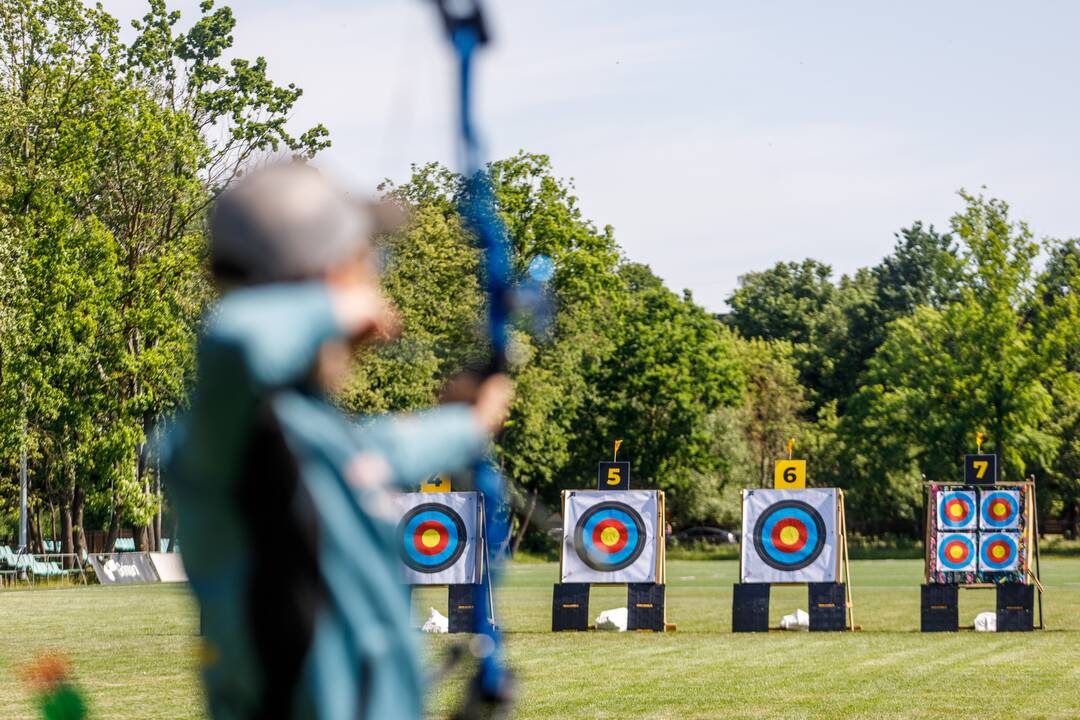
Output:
[[789, 474], [980, 469], [613, 476]]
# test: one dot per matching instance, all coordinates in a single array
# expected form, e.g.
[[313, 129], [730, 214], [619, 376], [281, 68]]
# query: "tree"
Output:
[[109, 157], [943, 374], [773, 404]]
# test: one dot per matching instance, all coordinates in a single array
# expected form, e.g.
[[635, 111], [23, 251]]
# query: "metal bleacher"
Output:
[[31, 568]]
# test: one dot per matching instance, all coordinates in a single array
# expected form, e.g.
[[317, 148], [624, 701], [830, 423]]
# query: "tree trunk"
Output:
[[67, 534], [114, 531], [524, 523], [78, 504], [37, 543]]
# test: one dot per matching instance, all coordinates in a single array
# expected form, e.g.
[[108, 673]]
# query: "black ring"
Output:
[[819, 523], [579, 540], [453, 517]]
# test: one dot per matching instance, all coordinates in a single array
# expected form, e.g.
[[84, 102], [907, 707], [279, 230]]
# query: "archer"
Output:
[[281, 498]]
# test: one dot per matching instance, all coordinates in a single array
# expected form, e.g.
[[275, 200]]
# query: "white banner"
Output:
[[610, 536], [790, 536]]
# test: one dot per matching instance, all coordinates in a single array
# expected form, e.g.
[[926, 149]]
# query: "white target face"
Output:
[[789, 536], [610, 536], [438, 538]]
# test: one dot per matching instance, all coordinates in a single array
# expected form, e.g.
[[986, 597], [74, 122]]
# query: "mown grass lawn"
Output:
[[134, 650]]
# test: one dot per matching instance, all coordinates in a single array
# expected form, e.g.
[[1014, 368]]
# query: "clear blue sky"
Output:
[[716, 137]]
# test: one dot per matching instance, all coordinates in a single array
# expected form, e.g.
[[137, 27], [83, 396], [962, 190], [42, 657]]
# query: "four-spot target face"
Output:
[[789, 535], [956, 552], [438, 537], [999, 552], [999, 510], [609, 536], [956, 510], [432, 537]]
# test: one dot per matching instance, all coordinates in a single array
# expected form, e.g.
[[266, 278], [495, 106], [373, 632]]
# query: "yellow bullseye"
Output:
[[998, 552], [956, 552], [789, 535], [998, 509], [430, 538], [955, 511], [609, 536]]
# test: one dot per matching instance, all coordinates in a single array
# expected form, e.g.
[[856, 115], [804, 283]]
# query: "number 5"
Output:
[[613, 476]]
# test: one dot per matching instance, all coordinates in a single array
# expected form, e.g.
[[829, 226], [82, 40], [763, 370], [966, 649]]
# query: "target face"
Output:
[[999, 552], [999, 510], [433, 536], [956, 510], [956, 552], [609, 536], [789, 535]]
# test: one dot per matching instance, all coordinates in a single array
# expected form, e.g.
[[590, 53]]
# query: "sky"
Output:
[[717, 137]]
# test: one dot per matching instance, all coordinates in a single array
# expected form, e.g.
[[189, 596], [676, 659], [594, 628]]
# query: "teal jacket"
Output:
[[285, 521]]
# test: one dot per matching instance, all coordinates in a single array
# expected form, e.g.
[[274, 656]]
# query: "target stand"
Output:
[[611, 538], [794, 537], [982, 535]]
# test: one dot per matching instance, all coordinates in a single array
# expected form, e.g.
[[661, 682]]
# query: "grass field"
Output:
[[134, 651]]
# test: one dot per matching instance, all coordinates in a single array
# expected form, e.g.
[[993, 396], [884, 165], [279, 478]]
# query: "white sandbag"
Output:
[[986, 622], [612, 620], [798, 620], [436, 622]]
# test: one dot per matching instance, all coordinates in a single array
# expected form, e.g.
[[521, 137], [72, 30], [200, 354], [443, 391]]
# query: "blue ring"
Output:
[[603, 561], [949, 523], [450, 522], [944, 560], [989, 564], [1009, 498], [785, 556]]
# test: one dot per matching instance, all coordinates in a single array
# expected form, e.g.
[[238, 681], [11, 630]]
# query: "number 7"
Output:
[[980, 468]]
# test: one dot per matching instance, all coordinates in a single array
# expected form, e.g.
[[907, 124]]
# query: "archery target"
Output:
[[999, 509], [956, 510], [610, 536], [789, 536], [999, 552], [956, 552], [437, 538]]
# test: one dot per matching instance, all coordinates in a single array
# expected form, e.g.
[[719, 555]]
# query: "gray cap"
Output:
[[284, 222]]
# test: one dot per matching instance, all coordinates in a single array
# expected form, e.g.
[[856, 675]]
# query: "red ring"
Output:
[[418, 534], [789, 547], [1008, 552], [603, 525], [963, 504], [1005, 504], [963, 546]]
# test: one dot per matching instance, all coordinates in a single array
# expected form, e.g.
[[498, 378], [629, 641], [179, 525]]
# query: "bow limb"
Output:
[[490, 693]]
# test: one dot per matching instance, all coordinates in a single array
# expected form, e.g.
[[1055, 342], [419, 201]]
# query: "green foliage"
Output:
[[109, 156]]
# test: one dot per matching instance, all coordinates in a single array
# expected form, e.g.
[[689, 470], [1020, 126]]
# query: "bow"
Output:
[[490, 693]]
